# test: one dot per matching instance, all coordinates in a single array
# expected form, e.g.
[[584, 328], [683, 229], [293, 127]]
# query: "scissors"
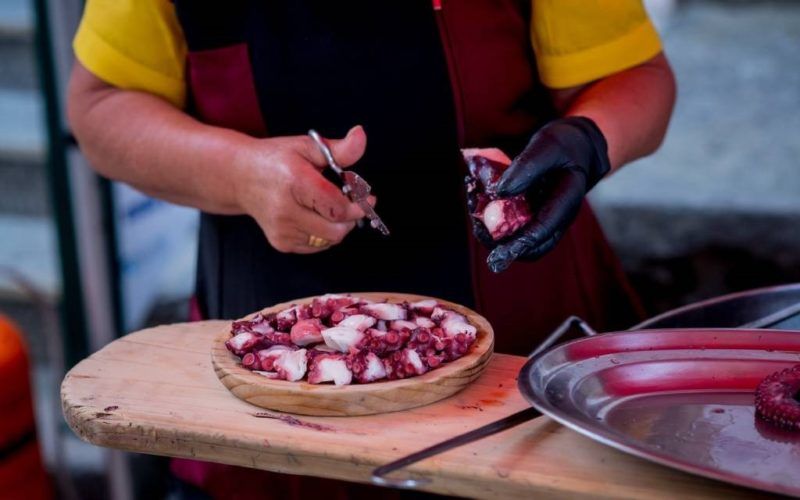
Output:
[[353, 186]]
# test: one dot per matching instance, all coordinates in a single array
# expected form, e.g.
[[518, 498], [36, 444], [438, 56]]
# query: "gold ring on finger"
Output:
[[317, 242]]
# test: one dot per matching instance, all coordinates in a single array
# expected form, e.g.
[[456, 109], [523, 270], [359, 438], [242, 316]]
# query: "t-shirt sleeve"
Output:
[[578, 41], [134, 44]]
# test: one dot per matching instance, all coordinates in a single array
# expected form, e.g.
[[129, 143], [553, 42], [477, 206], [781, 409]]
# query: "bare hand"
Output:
[[281, 186]]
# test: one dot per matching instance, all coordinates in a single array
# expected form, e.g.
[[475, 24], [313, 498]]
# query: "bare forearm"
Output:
[[632, 109], [141, 140], [144, 141]]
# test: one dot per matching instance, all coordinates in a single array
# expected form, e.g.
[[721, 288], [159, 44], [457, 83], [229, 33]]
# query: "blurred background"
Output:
[[83, 261]]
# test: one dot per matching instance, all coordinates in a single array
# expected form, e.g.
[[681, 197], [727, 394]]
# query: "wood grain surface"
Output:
[[356, 399], [155, 392]]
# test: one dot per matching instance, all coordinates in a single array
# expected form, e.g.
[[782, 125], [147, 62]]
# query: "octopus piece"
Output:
[[320, 310], [341, 314], [275, 338], [453, 323], [423, 322], [251, 362], [424, 342], [424, 307], [360, 322], [402, 364], [402, 324], [323, 307], [336, 301], [265, 358], [257, 324], [486, 165], [502, 217], [380, 342], [458, 325], [342, 338], [307, 331], [241, 343], [291, 365], [385, 311], [778, 399], [456, 346], [438, 314], [366, 366], [433, 349], [286, 319], [329, 368], [320, 349]]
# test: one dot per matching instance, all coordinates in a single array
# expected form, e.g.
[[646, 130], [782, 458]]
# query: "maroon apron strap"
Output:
[[223, 90]]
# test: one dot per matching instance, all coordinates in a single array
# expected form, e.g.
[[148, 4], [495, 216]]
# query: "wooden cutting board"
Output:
[[356, 399], [155, 392]]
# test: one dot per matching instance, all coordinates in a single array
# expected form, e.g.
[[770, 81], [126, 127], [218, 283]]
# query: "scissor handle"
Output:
[[326, 152]]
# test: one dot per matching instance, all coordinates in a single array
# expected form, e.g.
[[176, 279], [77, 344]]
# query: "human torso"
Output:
[[422, 82]]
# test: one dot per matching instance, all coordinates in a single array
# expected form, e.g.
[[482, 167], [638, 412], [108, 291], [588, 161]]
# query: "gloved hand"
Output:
[[560, 164]]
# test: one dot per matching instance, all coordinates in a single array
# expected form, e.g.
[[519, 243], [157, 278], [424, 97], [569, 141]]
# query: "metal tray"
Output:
[[681, 398]]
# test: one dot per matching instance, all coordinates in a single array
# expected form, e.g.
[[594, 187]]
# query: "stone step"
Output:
[[16, 18], [22, 134], [23, 188], [29, 248], [17, 51], [18, 70]]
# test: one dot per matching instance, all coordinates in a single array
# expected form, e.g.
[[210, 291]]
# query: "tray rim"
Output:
[[604, 435]]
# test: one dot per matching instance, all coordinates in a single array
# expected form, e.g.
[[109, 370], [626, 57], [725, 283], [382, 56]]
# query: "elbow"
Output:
[[85, 93], [664, 101], [78, 105]]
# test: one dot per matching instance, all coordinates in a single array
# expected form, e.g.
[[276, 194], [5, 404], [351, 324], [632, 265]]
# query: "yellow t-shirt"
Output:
[[138, 44]]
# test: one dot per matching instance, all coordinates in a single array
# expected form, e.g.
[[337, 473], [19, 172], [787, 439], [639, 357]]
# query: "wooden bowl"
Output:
[[356, 399]]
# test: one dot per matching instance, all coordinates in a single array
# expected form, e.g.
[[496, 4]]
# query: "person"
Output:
[[208, 105]]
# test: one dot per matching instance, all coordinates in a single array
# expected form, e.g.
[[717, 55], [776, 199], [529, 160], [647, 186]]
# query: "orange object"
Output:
[[22, 475]]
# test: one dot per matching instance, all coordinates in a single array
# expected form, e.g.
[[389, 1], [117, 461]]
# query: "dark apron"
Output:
[[424, 78]]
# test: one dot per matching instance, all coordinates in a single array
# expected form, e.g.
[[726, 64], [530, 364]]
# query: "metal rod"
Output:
[[560, 331], [774, 318], [379, 474]]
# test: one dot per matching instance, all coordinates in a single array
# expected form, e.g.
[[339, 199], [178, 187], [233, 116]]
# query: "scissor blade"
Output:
[[359, 191], [358, 187], [374, 220]]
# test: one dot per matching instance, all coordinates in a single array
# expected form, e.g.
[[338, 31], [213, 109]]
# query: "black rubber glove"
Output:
[[560, 164]]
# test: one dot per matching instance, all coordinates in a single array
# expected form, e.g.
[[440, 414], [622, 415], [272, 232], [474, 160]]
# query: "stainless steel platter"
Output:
[[681, 398]]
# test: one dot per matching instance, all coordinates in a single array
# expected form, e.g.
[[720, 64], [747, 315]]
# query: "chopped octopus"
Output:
[[502, 217], [778, 399], [345, 339]]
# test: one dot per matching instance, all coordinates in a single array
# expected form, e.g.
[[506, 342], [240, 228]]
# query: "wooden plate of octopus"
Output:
[[353, 354]]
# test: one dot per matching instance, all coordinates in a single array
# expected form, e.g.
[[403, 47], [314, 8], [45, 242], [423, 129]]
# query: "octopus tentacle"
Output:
[[778, 398], [502, 217]]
